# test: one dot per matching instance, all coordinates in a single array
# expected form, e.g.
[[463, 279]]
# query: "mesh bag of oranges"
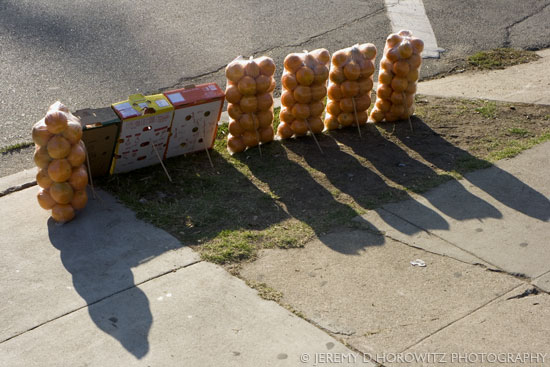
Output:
[[350, 86], [249, 95], [304, 83], [399, 70], [60, 157]]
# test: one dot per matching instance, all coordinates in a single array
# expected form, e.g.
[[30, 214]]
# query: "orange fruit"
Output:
[[384, 91], [251, 69], [40, 133], [334, 92], [392, 55], [405, 50], [377, 115], [362, 102], [56, 121], [293, 62], [399, 84], [415, 61], [349, 88], [404, 33], [247, 86], [234, 71], [401, 68], [318, 92], [410, 110], [58, 147], [322, 55], [45, 200], [249, 122], [235, 144], [286, 115], [59, 170], [234, 111], [365, 85], [397, 109], [412, 76], [305, 76], [390, 117], [417, 45], [42, 179], [61, 192], [393, 39], [287, 99], [367, 68], [316, 108], [235, 128], [62, 213], [263, 83], [315, 124], [79, 178], [386, 65], [300, 111], [251, 138], [331, 123], [77, 155], [340, 58], [80, 199], [73, 132], [385, 77], [267, 66], [299, 127], [411, 88], [368, 50], [302, 94], [352, 71], [409, 100], [397, 98], [265, 118], [249, 104], [289, 81], [333, 108], [58, 106], [345, 119], [321, 74], [362, 117], [382, 105], [272, 86], [41, 157], [232, 94], [346, 105], [284, 130], [337, 75], [266, 134], [265, 101]]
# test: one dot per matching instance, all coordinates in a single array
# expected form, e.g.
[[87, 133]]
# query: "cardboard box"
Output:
[[143, 131], [99, 134], [195, 123]]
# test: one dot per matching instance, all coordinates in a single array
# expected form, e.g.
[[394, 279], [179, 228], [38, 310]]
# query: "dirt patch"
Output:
[[292, 192]]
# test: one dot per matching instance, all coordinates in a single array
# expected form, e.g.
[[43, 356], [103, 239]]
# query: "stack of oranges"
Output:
[[399, 70], [249, 95], [304, 84], [60, 157], [350, 86]]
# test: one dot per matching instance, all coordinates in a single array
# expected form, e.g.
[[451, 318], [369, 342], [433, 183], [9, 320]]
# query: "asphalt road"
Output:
[[91, 53]]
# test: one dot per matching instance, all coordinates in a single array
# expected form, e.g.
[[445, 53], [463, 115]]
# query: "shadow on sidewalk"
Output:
[[496, 182]]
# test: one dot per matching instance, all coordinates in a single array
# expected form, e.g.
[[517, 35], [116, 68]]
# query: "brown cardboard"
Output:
[[100, 132]]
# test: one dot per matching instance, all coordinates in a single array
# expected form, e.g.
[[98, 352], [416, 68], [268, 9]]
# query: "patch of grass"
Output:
[[265, 291], [228, 247], [15, 147], [467, 163], [519, 131], [511, 148], [501, 58], [488, 110]]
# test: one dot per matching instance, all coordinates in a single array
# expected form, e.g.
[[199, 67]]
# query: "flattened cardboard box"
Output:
[[99, 134], [143, 131], [197, 112]]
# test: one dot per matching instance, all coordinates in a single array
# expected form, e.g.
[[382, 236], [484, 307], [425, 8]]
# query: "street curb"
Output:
[[17, 181]]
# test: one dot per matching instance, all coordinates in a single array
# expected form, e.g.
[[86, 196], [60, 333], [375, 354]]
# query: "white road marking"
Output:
[[410, 15]]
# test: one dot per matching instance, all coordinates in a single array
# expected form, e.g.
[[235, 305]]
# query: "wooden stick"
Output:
[[90, 172], [314, 137], [259, 143], [356, 119], [161, 163], [204, 142]]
